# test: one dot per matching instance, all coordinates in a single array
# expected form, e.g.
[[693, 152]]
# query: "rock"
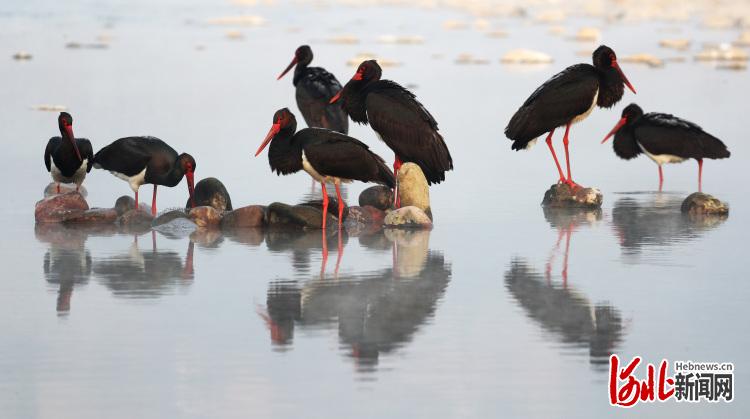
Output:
[[135, 220], [51, 189], [699, 203], [409, 217], [333, 206], [124, 204], [205, 216], [304, 216], [55, 208], [561, 195], [212, 193], [413, 189], [380, 197], [363, 220], [176, 228], [245, 217], [168, 217], [92, 216]]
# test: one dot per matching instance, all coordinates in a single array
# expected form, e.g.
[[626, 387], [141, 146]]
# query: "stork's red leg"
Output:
[[661, 178], [324, 258], [700, 175], [325, 203], [569, 181], [340, 250], [554, 155], [568, 233], [153, 203], [341, 204], [136, 199], [396, 167]]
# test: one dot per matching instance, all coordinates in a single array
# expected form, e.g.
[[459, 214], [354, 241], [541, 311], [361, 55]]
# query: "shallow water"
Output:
[[502, 309]]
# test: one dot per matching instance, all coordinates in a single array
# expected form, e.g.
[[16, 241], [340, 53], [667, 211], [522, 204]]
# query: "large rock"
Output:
[[699, 203], [413, 189], [408, 217], [246, 217], [211, 192], [168, 217], [92, 216], [56, 208], [333, 206], [380, 197], [51, 189], [205, 216], [561, 195], [304, 216]]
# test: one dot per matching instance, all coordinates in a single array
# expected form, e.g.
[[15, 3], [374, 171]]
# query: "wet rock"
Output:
[[246, 217], [380, 197], [168, 217], [51, 189], [699, 203], [413, 189], [563, 196], [135, 220], [56, 208], [92, 216], [212, 193], [124, 204], [300, 216], [205, 216], [333, 206], [176, 228], [408, 217], [362, 220]]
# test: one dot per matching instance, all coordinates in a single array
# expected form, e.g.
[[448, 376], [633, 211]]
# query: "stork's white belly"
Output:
[[77, 177], [585, 115], [662, 158], [307, 167], [134, 181]]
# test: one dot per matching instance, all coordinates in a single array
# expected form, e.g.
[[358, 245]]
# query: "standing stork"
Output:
[[68, 158]]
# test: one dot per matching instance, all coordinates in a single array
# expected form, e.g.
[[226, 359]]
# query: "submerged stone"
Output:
[[177, 228], [55, 208], [168, 217], [380, 197], [408, 217], [699, 203], [303, 216], [92, 216], [246, 217], [561, 195], [413, 189], [212, 193]]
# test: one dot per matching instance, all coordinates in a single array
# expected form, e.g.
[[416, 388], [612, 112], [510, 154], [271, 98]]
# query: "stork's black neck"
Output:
[[354, 95], [624, 144], [299, 72], [611, 87], [170, 179], [284, 153]]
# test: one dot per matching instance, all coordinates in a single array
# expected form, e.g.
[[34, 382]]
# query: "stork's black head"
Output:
[[302, 56], [368, 71], [65, 119], [605, 59], [187, 163], [630, 114], [65, 123], [283, 120]]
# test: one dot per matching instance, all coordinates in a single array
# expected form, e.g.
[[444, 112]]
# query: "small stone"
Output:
[[413, 189], [409, 217], [56, 208], [124, 204], [168, 217], [51, 189], [92, 216], [245, 217], [699, 203], [283, 215], [212, 193], [561, 195], [380, 197], [205, 216], [136, 220]]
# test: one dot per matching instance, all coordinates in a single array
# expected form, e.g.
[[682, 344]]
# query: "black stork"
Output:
[[68, 158], [566, 98], [399, 119], [315, 88], [139, 160], [326, 155], [664, 138]]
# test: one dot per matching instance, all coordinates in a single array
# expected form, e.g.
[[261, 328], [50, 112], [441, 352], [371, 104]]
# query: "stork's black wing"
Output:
[[406, 126], [566, 95], [661, 133], [333, 154], [129, 155], [87, 152], [52, 145], [315, 89]]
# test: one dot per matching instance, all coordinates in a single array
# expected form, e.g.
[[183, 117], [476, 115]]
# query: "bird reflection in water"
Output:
[[375, 312], [67, 262], [644, 220], [566, 221], [144, 274]]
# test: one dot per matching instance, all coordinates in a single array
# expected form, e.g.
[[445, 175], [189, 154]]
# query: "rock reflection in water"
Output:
[[375, 313]]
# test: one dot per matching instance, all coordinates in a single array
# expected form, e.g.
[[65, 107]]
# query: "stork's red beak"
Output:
[[191, 188], [624, 79], [620, 123], [72, 138], [271, 133], [289, 67], [336, 98]]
